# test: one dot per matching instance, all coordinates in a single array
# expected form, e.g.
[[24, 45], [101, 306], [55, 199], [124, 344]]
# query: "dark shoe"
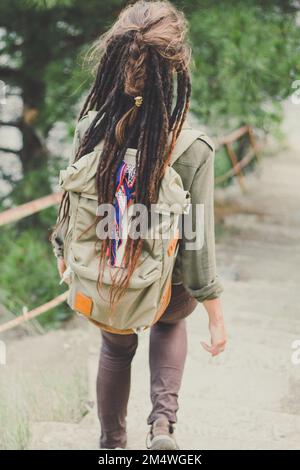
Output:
[[116, 439], [161, 435]]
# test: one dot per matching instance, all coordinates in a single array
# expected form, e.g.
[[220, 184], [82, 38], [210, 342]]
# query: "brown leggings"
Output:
[[167, 354]]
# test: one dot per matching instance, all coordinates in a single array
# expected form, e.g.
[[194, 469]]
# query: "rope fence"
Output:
[[29, 208], [34, 313]]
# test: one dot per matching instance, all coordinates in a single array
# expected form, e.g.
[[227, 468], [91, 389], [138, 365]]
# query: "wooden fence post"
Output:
[[235, 164]]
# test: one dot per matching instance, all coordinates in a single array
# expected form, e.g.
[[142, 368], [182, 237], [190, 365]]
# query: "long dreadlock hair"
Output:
[[139, 55]]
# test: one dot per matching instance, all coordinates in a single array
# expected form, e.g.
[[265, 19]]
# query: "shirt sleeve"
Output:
[[198, 265], [58, 235]]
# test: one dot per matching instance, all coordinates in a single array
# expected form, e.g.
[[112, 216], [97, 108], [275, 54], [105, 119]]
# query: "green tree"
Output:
[[40, 45], [246, 57]]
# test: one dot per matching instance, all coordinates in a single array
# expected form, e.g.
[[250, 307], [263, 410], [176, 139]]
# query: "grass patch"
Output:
[[50, 395]]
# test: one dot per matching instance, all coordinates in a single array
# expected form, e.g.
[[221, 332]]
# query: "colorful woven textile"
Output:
[[124, 196]]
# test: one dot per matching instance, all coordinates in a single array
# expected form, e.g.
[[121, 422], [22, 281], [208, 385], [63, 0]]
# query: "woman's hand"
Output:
[[216, 327]]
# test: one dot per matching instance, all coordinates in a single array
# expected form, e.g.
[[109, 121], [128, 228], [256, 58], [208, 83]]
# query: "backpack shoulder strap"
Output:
[[187, 136], [83, 123], [92, 114]]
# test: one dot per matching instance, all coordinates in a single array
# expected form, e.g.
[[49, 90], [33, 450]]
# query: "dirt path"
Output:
[[247, 398]]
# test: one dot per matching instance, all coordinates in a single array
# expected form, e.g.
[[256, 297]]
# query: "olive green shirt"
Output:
[[196, 268]]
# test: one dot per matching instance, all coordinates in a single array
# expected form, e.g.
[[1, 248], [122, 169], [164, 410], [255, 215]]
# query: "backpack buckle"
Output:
[[140, 329]]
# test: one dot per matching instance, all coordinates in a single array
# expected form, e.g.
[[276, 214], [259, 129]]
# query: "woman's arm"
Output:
[[198, 262], [199, 265], [216, 327]]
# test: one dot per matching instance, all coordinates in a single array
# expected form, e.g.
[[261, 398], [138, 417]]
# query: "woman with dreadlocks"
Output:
[[137, 60]]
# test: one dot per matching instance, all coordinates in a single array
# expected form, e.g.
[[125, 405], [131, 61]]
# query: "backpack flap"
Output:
[[79, 177]]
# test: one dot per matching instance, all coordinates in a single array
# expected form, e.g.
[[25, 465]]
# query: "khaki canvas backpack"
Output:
[[149, 290]]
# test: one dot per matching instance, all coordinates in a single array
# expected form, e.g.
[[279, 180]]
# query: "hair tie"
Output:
[[138, 100]]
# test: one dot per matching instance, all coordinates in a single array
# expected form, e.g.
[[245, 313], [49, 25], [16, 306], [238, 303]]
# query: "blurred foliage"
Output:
[[245, 58], [43, 41], [28, 273], [222, 164]]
